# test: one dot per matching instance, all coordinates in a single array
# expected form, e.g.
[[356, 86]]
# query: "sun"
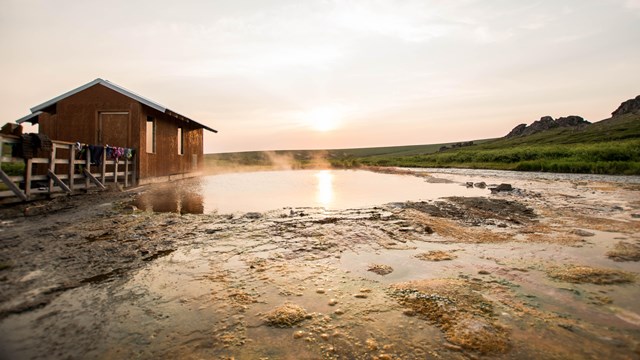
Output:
[[325, 118]]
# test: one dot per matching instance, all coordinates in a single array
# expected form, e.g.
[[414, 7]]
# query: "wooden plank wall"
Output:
[[59, 172]]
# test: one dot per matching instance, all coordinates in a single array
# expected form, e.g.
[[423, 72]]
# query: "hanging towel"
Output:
[[96, 154]]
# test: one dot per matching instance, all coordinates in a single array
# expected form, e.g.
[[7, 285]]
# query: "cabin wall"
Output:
[[166, 160], [77, 118]]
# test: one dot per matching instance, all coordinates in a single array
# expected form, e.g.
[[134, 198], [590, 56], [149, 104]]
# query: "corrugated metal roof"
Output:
[[36, 110]]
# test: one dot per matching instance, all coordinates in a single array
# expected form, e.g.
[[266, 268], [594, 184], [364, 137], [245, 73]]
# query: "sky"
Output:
[[326, 74]]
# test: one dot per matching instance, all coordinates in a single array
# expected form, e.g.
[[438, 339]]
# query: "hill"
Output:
[[610, 146]]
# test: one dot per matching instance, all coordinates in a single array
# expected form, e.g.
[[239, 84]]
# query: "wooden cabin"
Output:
[[168, 145]]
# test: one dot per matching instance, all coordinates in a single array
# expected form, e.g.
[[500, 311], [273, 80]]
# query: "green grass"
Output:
[[13, 169], [615, 157]]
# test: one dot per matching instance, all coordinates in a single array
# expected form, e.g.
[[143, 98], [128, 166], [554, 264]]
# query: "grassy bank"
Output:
[[619, 157]]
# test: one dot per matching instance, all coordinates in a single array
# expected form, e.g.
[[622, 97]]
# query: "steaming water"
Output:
[[270, 190]]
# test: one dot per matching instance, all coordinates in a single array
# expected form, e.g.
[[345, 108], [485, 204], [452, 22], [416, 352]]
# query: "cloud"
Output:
[[406, 21], [632, 4], [486, 35]]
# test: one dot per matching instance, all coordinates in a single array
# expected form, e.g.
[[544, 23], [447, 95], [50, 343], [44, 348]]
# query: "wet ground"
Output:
[[537, 272]]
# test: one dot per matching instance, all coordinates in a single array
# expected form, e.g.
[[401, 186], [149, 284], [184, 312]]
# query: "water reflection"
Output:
[[181, 200], [271, 190], [324, 194]]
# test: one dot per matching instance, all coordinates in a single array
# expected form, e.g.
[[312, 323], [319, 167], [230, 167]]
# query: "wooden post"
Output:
[[87, 169], [72, 170], [57, 180], [126, 171], [27, 177], [104, 165], [52, 167], [115, 171], [93, 178], [134, 175]]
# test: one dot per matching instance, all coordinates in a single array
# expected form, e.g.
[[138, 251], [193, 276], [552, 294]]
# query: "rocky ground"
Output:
[[547, 270]]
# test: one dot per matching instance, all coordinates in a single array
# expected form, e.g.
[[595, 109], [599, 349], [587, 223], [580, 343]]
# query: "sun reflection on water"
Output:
[[324, 194]]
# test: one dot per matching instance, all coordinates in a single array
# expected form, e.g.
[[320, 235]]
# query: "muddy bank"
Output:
[[501, 276]]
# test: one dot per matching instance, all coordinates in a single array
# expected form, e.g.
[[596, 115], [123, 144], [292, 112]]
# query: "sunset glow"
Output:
[[332, 74], [324, 118]]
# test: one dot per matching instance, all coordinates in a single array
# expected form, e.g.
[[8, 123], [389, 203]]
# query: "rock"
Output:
[[502, 225], [483, 272], [501, 188], [372, 344], [35, 210], [285, 316], [517, 131], [252, 215], [627, 107], [546, 123], [380, 269], [339, 312], [635, 216], [581, 232], [361, 296], [480, 185], [469, 184], [320, 291], [452, 347], [333, 302], [409, 312], [571, 121], [129, 209]]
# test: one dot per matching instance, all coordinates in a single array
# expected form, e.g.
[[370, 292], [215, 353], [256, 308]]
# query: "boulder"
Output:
[[571, 120], [480, 185], [627, 107], [517, 131], [545, 123], [501, 188]]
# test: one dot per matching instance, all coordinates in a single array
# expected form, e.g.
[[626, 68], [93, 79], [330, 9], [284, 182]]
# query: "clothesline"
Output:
[[111, 152]]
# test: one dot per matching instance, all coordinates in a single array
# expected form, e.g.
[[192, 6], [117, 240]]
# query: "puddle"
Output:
[[270, 190]]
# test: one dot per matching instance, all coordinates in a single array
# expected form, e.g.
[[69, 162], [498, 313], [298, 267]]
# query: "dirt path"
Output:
[[547, 271]]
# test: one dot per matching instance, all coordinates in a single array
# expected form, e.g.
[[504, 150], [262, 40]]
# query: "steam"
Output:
[[284, 161], [266, 160]]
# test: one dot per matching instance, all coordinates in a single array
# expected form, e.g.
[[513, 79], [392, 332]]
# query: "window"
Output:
[[180, 142], [151, 135]]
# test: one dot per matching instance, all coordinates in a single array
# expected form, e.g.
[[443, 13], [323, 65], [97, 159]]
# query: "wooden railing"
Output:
[[59, 171]]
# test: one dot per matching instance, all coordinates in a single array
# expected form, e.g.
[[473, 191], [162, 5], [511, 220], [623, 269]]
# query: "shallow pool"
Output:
[[270, 190]]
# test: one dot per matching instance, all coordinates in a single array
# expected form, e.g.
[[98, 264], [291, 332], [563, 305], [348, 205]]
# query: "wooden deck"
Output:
[[59, 172]]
